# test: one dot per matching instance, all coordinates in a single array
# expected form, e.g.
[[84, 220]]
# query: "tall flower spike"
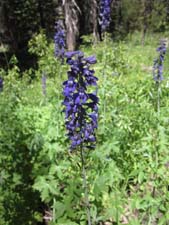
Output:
[[44, 84], [105, 14], [59, 40], [158, 63], [81, 110], [1, 84]]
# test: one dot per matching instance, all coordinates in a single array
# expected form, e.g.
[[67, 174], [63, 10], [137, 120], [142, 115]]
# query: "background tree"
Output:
[[89, 22], [147, 9], [71, 11], [2, 21], [20, 20]]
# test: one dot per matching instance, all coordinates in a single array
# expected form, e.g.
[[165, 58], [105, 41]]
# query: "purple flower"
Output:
[[69, 86], [80, 107], [71, 54], [90, 59], [59, 40], [1, 84], [105, 14], [158, 63], [44, 84]]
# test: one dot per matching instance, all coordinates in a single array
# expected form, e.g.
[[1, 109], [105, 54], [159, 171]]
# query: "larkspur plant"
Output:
[[158, 63], [81, 110], [59, 40], [158, 77], [44, 84], [1, 84], [105, 11]]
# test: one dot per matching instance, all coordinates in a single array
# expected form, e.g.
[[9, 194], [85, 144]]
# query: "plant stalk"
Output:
[[84, 177], [157, 149], [104, 76]]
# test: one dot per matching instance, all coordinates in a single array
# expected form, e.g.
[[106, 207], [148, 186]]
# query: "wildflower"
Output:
[[158, 63], [44, 84], [81, 110], [105, 13], [1, 84], [59, 40]]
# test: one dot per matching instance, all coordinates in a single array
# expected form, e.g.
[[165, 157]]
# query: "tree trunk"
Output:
[[94, 11], [89, 18], [167, 11], [41, 14], [2, 20], [71, 11], [147, 5]]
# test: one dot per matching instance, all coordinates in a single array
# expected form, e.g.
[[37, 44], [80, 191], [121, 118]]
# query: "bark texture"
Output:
[[72, 11]]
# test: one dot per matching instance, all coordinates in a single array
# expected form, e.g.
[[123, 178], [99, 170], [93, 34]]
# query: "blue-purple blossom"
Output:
[[81, 110], [158, 63], [1, 84], [44, 84], [59, 40], [105, 14]]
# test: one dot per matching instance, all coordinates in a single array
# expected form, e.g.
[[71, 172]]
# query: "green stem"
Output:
[[84, 177], [104, 76], [116, 205], [157, 148], [158, 100], [60, 71], [54, 210], [44, 94]]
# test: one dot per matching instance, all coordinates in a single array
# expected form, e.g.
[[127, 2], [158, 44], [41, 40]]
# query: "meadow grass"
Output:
[[123, 169]]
